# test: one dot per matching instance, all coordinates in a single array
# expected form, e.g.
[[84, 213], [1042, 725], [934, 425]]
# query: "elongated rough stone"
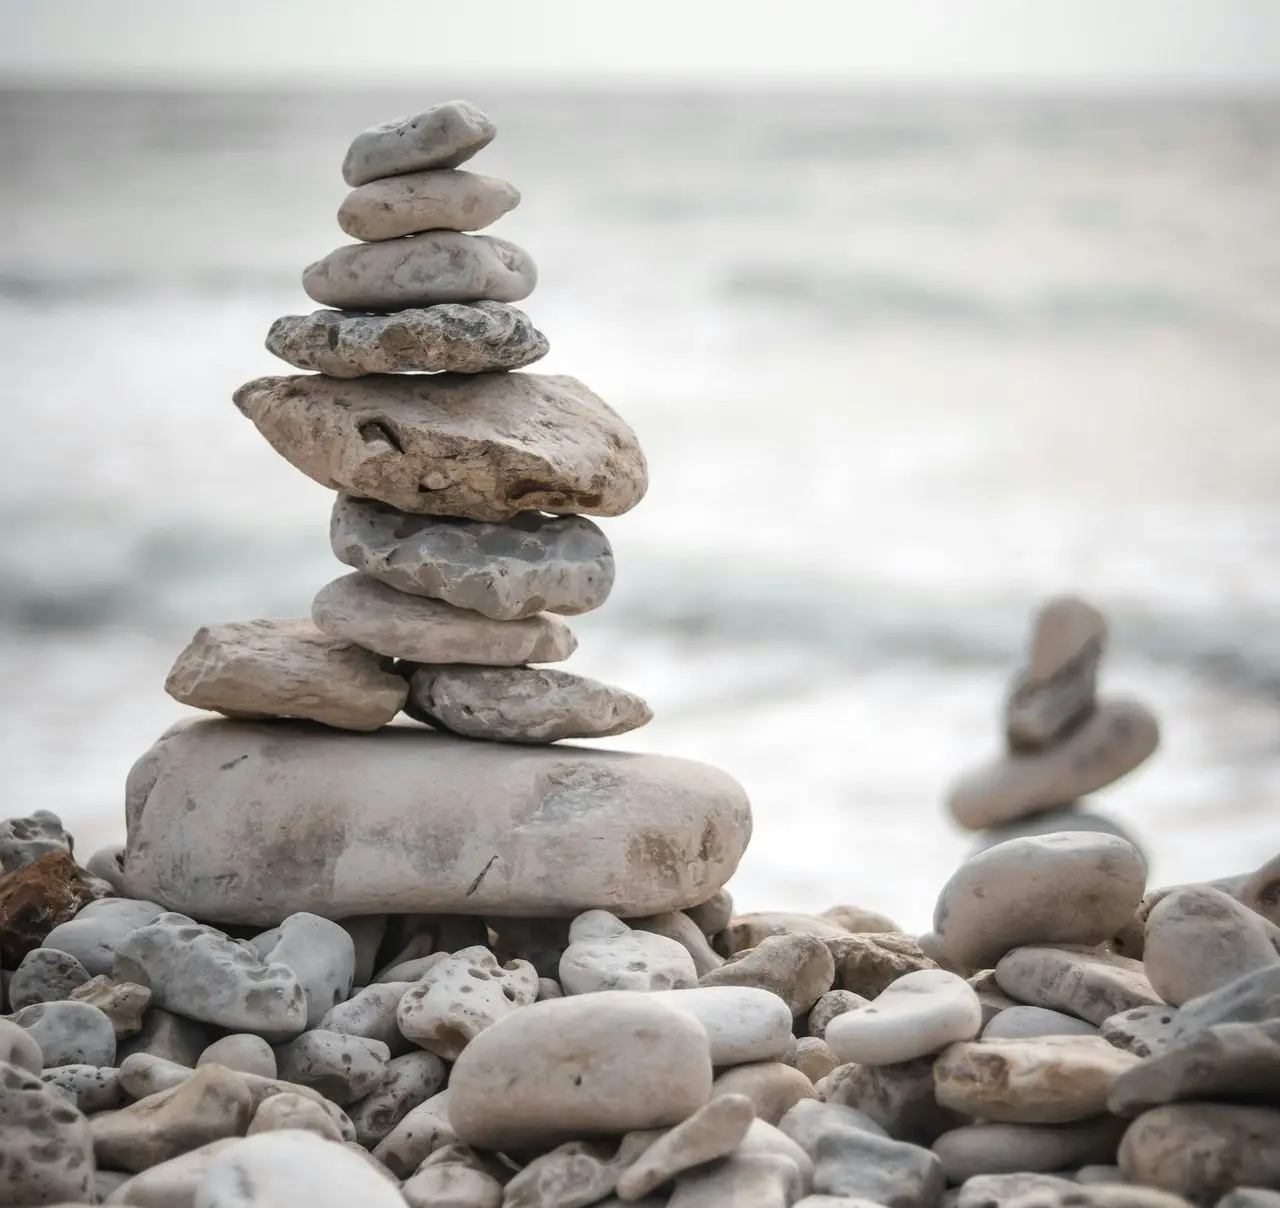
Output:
[[434, 200], [522, 704], [438, 266], [454, 337], [443, 136], [46, 1150], [285, 669], [408, 821], [1089, 983], [485, 448], [531, 563]]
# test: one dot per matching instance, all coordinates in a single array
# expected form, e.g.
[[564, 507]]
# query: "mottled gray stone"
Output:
[[439, 200], [105, 864], [900, 1098], [481, 447], [869, 962], [1141, 1030], [92, 936], [423, 1130], [123, 1003], [410, 1079], [1253, 998], [359, 609], [45, 975], [69, 1033], [522, 704], [977, 1149], [371, 1012], [35, 834], [435, 267], [712, 916], [452, 337], [503, 570], [199, 972], [319, 953], [831, 1005], [443, 136], [743, 1023], [341, 1068], [1088, 983], [267, 668], [244, 1052], [169, 1037], [411, 821], [1077, 888], [91, 1088], [18, 1048], [577, 1172], [293, 1111], [46, 1151]]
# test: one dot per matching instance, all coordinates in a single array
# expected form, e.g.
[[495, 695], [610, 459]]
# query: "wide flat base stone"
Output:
[[249, 822]]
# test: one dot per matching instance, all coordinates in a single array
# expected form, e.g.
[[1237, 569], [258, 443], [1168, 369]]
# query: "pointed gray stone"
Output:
[[443, 136]]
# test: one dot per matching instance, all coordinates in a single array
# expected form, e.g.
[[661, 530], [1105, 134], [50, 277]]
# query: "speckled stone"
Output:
[[1088, 983], [435, 200], [46, 1151], [443, 136]]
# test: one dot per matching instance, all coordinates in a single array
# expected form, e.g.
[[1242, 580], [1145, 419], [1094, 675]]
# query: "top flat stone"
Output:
[[483, 448], [443, 136]]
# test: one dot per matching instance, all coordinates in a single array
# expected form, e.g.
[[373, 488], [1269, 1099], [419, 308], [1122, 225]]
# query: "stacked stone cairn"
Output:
[[405, 968], [1061, 742]]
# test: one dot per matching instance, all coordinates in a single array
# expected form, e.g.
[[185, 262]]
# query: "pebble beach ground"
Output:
[[349, 957]]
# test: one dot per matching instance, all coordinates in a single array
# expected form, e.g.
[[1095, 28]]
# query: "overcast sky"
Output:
[[1074, 42]]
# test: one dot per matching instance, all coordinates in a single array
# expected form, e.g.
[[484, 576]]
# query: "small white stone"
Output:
[[321, 955], [605, 954], [743, 1023], [917, 1014], [69, 1033], [341, 1068]]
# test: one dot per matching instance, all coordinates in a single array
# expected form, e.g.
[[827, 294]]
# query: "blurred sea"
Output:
[[901, 365]]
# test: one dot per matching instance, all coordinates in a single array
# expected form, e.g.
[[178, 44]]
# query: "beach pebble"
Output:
[[809, 1120], [241, 1051], [460, 997], [1141, 1030], [199, 972], [977, 1149], [900, 1098], [743, 1023], [46, 1151], [443, 136], [410, 274], [713, 1131], [868, 962], [1050, 889], [25, 838], [92, 936], [814, 1058], [1253, 998], [505, 570], [319, 953], [91, 1088], [292, 1167], [832, 1004], [1099, 1174], [992, 999], [1117, 737], [999, 1190], [456, 337], [293, 1111], [341, 1068], [384, 619], [371, 1012], [713, 915], [123, 1003], [36, 898], [1250, 1197], [678, 926], [45, 975], [571, 1068], [1199, 939], [170, 1184], [483, 448], [423, 1130], [1049, 1080], [167, 1036], [1085, 982], [452, 1176], [773, 1087], [269, 668], [105, 864], [1065, 818], [605, 954], [797, 968], [1201, 1151], [439, 200], [748, 930], [757, 1180], [1026, 1023], [410, 1080], [69, 1033], [860, 919], [919, 1013], [577, 1172], [209, 1105]]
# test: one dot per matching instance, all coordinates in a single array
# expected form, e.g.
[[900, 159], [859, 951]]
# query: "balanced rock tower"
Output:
[[463, 490], [1061, 741]]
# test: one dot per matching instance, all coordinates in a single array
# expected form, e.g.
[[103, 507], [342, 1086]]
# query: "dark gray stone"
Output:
[[45, 975]]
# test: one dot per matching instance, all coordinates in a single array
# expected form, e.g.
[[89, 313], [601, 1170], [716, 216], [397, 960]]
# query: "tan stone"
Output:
[[440, 200], [484, 447], [747, 930], [814, 1058], [452, 1177], [285, 669], [773, 1088], [869, 962], [711, 1132], [797, 968], [859, 919]]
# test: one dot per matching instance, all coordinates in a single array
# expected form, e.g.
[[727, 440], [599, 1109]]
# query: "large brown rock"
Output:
[[249, 822], [35, 898], [485, 447]]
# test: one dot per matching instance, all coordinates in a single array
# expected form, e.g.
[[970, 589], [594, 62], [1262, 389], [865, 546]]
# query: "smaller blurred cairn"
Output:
[[1061, 741]]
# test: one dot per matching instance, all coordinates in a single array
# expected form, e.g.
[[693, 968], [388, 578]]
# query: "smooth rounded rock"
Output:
[[440, 200], [1027, 1023], [422, 1131], [506, 571], [371, 1012], [319, 953], [45, 975], [265, 668], [1199, 939], [1089, 983], [69, 1033], [435, 267], [409, 821], [1253, 998], [341, 1068], [1141, 1030], [1076, 888], [917, 1014], [452, 1175], [579, 1067], [244, 1052], [605, 954], [831, 1005], [743, 1023], [773, 1087], [797, 968], [1050, 822], [997, 1190], [482, 448], [713, 915], [1049, 1080], [757, 1180], [46, 1151], [980, 1149], [410, 1080], [814, 1058], [577, 1172], [442, 136], [92, 936], [293, 1112], [748, 930], [171, 1184], [453, 337], [678, 926], [1117, 737]]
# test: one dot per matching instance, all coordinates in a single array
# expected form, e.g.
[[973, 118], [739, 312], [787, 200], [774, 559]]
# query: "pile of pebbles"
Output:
[[403, 967]]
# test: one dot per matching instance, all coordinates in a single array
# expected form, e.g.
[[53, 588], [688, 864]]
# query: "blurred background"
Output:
[[921, 311]]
